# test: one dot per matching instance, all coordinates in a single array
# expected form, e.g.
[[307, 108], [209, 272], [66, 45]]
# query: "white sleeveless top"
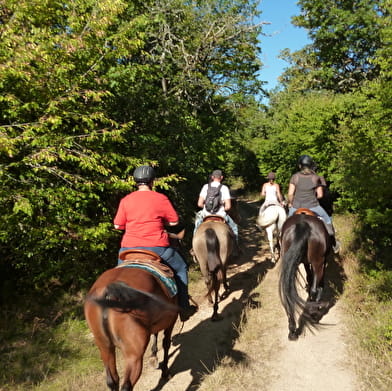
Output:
[[270, 193]]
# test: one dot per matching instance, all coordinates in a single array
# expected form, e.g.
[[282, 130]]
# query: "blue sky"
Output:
[[281, 34]]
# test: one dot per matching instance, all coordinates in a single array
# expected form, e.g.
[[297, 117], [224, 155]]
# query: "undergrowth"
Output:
[[368, 305]]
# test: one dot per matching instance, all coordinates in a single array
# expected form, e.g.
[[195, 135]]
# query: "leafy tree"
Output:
[[363, 166], [91, 89], [345, 37], [296, 124]]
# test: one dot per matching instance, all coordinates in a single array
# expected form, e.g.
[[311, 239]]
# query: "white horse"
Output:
[[272, 219]]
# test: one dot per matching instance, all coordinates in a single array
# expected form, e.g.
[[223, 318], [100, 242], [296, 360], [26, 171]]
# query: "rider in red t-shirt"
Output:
[[143, 215]]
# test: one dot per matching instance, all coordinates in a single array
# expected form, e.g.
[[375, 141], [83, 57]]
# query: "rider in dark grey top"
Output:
[[305, 189], [306, 184]]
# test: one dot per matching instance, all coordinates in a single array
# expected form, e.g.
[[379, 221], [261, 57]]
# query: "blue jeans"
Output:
[[173, 259], [316, 209]]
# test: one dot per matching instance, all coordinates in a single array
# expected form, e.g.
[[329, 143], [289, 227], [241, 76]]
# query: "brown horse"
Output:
[[304, 240], [123, 308], [212, 245]]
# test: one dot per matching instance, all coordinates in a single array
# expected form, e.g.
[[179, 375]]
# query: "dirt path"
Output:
[[314, 362]]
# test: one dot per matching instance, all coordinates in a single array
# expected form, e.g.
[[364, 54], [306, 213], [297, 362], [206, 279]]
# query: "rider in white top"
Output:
[[271, 192]]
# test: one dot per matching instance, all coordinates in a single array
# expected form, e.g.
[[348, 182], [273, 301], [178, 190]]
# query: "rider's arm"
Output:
[[227, 204], [291, 193], [278, 193], [319, 192], [200, 202], [262, 193]]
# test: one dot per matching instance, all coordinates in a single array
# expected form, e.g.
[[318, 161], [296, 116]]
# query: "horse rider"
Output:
[[271, 193], [225, 203], [143, 215], [305, 190]]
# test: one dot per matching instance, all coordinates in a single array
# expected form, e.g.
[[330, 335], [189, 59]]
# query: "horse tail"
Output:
[[292, 258], [124, 298], [214, 261]]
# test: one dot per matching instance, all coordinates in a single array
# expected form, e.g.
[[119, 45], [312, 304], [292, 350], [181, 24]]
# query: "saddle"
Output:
[[214, 218], [137, 254], [151, 262], [305, 211]]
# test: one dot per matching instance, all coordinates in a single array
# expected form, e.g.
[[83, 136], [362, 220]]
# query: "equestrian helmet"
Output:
[[305, 161], [144, 174]]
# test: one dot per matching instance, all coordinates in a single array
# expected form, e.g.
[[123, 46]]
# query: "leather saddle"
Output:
[[305, 211], [214, 218], [137, 254]]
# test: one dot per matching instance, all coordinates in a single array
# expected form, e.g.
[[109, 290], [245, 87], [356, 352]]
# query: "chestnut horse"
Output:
[[123, 308], [304, 240], [212, 245]]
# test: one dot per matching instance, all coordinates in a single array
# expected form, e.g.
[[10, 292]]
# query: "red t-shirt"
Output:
[[143, 215]]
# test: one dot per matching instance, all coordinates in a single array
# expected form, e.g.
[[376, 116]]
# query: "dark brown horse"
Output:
[[304, 240], [212, 245], [124, 307]]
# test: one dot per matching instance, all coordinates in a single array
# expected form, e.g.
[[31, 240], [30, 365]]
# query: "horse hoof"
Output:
[[154, 362], [293, 336], [166, 375], [216, 318]]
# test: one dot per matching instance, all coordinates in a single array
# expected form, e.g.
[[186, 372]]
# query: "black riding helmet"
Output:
[[144, 174], [305, 161]]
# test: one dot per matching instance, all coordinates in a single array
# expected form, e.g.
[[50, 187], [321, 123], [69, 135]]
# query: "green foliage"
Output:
[[336, 106], [88, 91], [298, 124], [345, 37]]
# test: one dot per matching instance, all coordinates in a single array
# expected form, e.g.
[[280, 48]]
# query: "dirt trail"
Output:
[[315, 362]]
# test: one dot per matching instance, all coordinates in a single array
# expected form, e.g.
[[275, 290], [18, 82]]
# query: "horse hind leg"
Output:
[[154, 352], [215, 315], [270, 235], [225, 286], [293, 331], [97, 321], [133, 370], [166, 343], [108, 356], [316, 289]]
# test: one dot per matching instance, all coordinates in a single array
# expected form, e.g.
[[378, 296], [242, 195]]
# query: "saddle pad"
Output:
[[158, 270]]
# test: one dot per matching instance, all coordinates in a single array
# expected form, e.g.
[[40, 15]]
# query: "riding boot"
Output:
[[335, 243], [186, 309]]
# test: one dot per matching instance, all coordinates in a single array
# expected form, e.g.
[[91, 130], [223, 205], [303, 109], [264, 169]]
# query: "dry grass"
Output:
[[258, 339], [368, 319]]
